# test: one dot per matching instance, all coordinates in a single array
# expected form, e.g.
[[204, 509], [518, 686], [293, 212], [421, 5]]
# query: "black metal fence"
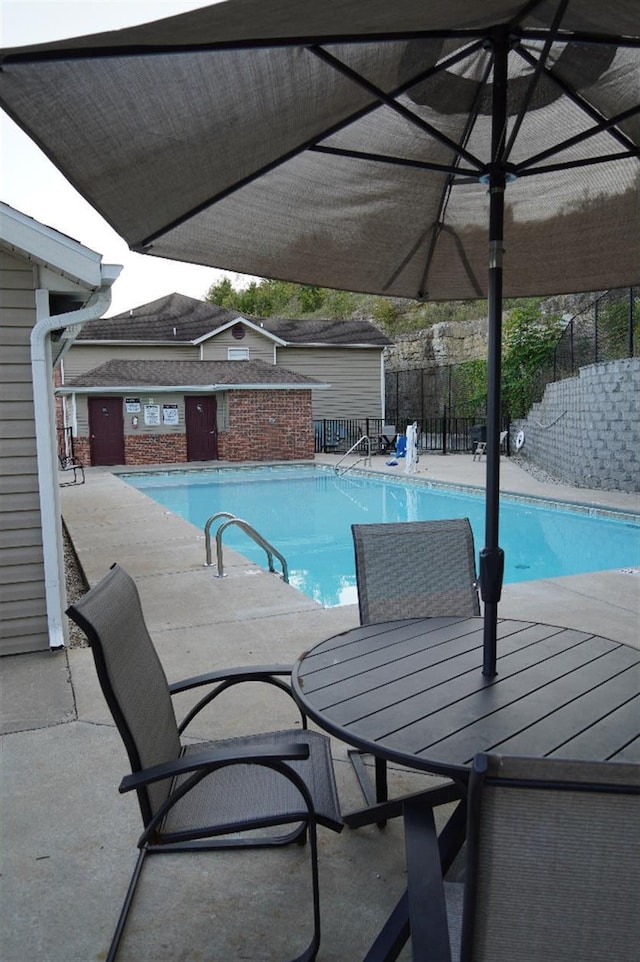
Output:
[[440, 434], [606, 330]]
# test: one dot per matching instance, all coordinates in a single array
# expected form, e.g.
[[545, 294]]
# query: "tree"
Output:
[[529, 339]]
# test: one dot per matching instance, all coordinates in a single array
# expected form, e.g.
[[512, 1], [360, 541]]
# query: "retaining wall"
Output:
[[586, 429]]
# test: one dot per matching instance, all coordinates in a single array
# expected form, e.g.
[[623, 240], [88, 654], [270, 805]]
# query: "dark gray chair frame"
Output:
[[531, 793], [430, 565], [301, 757], [70, 464]]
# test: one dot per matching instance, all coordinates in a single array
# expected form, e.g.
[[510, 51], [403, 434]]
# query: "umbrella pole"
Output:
[[492, 556]]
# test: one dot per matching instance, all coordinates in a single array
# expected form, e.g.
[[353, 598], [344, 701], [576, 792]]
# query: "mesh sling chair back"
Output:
[[203, 795], [414, 569], [553, 866]]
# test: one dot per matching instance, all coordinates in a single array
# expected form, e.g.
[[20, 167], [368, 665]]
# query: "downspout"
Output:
[[46, 447]]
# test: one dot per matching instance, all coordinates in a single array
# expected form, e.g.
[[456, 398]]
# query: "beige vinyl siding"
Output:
[[353, 373], [23, 617], [82, 358], [260, 348]]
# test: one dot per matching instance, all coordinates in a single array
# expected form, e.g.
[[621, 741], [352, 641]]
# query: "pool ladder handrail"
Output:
[[366, 458], [248, 529]]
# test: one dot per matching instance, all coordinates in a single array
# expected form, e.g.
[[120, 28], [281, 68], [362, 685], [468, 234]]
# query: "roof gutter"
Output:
[[46, 447]]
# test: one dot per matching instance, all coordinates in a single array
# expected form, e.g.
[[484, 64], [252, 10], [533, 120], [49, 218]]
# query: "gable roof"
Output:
[[176, 317], [129, 375]]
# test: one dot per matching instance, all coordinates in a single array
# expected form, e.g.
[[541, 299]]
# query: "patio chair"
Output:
[[210, 794], [553, 866], [386, 438], [481, 446], [66, 463], [411, 569]]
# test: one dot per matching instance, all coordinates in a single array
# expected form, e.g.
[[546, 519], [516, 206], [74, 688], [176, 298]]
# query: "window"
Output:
[[237, 353]]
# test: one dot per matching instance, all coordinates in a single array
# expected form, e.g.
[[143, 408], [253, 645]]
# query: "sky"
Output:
[[30, 183]]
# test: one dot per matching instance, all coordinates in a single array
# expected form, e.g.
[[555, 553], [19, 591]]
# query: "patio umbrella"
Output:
[[441, 150]]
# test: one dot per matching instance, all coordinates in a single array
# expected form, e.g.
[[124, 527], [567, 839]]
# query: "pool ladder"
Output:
[[248, 529], [366, 457]]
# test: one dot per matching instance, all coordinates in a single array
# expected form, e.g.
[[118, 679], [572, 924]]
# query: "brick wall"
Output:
[[81, 451], [262, 426], [586, 429], [268, 426], [155, 448]]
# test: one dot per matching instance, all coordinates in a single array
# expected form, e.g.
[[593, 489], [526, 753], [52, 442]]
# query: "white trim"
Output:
[[42, 245], [240, 320], [238, 354], [186, 388]]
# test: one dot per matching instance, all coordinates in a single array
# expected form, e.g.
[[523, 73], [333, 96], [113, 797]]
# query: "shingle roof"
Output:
[[325, 331], [129, 374], [177, 317], [156, 321]]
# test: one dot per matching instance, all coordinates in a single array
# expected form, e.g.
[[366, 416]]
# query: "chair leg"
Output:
[[309, 953], [381, 792], [117, 935]]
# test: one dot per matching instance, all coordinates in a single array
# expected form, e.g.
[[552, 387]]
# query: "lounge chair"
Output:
[[552, 870], [208, 794], [481, 446], [411, 569]]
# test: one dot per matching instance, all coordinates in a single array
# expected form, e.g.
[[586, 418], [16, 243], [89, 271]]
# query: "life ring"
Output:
[[519, 440]]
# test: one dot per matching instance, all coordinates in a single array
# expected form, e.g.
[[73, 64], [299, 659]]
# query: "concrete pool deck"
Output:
[[69, 838]]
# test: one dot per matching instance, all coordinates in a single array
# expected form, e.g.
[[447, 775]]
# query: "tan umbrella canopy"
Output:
[[440, 149]]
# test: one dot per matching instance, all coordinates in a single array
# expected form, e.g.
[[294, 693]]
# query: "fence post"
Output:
[[444, 430]]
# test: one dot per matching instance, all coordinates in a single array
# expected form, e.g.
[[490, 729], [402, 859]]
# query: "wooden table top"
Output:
[[413, 692]]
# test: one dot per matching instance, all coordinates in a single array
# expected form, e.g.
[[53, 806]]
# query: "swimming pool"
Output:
[[306, 513]]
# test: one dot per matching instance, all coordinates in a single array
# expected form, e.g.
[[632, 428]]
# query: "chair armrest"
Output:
[[212, 759], [227, 678], [247, 673]]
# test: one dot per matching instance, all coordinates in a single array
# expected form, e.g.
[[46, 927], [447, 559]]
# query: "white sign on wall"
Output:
[[170, 414], [152, 414], [132, 405]]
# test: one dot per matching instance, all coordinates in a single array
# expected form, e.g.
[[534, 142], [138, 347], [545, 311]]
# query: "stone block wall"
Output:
[[586, 429]]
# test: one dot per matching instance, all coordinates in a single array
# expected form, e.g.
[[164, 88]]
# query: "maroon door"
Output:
[[106, 430], [200, 421]]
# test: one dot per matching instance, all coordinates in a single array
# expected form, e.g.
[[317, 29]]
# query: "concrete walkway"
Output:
[[68, 837]]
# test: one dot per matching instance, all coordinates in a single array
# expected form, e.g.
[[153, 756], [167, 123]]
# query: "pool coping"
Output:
[[552, 504]]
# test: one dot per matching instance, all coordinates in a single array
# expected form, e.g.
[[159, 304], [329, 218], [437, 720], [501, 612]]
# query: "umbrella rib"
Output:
[[389, 101], [580, 102], [572, 164], [446, 195], [398, 161], [56, 51], [143, 245], [579, 138], [553, 30]]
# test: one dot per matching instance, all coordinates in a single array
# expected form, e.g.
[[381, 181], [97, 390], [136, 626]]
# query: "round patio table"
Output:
[[413, 692]]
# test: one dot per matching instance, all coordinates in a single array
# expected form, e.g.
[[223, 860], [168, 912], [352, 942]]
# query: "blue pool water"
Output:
[[306, 513]]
